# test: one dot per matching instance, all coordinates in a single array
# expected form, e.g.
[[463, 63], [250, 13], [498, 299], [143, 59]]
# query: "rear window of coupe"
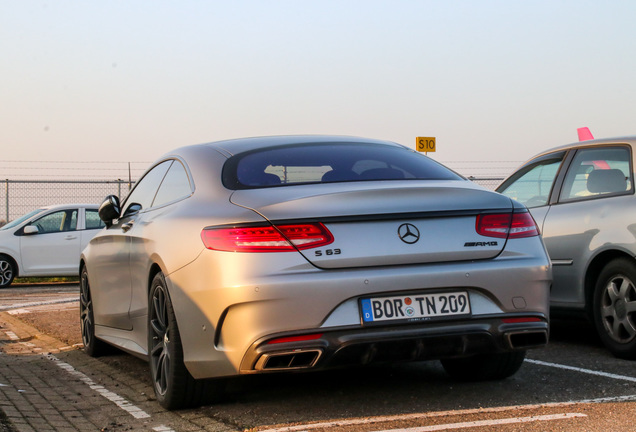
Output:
[[328, 163]]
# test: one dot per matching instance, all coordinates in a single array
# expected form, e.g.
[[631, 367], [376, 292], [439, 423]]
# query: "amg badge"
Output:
[[478, 244]]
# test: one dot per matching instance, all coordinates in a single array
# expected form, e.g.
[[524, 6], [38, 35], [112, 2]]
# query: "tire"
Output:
[[174, 387], [484, 367], [92, 346], [8, 270], [614, 307]]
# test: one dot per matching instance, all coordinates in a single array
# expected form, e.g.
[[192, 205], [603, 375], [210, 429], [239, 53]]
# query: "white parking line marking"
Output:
[[586, 371], [11, 335], [122, 403], [40, 303], [493, 422], [382, 419], [163, 428], [18, 311]]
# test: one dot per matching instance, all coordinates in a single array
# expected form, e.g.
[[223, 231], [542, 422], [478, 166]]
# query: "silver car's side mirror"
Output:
[[109, 209], [31, 229]]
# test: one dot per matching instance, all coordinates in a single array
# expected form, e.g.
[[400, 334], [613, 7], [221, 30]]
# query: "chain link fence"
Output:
[[25, 188], [19, 197]]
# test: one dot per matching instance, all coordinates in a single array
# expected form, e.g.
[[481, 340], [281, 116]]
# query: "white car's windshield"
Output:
[[18, 221]]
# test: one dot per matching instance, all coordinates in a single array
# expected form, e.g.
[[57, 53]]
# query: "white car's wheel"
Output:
[[7, 271]]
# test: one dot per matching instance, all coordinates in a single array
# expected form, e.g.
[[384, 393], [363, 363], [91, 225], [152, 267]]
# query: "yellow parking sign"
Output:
[[425, 144]]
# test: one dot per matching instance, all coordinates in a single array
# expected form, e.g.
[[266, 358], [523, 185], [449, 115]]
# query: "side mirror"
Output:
[[132, 209], [109, 210], [31, 229]]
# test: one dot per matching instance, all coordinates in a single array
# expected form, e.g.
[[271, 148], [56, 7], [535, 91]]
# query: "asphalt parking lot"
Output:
[[50, 384]]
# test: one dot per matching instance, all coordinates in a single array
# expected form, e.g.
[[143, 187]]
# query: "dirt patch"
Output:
[[61, 324]]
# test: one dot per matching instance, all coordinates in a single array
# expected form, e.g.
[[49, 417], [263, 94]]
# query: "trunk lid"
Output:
[[386, 223]]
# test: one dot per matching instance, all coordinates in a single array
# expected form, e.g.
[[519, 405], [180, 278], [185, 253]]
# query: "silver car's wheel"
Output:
[[174, 386], [92, 346], [7, 271], [615, 307]]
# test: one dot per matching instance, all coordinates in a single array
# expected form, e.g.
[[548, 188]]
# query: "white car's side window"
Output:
[[65, 220], [92, 220]]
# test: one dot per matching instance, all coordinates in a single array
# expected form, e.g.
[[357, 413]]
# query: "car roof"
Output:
[[71, 205], [239, 145], [630, 140]]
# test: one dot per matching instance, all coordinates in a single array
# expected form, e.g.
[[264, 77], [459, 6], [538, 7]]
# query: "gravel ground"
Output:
[[61, 324]]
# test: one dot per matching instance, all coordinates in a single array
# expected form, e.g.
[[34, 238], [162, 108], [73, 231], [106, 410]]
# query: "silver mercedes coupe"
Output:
[[299, 253]]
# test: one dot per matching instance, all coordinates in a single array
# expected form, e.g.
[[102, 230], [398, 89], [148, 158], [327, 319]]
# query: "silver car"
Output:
[[582, 197], [295, 253]]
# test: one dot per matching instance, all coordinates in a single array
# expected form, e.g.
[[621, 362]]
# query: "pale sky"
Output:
[[491, 80]]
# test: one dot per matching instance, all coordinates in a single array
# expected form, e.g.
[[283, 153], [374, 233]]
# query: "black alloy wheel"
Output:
[[174, 386], [92, 346]]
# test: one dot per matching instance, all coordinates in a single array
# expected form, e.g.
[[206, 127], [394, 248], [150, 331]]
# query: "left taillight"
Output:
[[279, 238], [507, 225]]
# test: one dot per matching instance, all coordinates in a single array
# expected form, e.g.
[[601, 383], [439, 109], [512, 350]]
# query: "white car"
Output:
[[47, 241]]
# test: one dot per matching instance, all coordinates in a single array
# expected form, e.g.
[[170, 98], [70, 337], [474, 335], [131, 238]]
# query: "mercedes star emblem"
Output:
[[408, 233]]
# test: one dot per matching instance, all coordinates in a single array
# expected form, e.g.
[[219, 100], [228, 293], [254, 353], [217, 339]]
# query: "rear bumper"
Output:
[[362, 346], [234, 305]]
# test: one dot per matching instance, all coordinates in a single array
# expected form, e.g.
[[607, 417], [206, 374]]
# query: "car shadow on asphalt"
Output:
[[574, 331]]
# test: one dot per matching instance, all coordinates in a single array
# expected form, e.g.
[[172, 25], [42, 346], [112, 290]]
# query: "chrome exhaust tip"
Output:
[[288, 360], [527, 339]]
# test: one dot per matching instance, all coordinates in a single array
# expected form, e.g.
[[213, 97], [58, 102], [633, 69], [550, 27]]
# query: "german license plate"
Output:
[[415, 307]]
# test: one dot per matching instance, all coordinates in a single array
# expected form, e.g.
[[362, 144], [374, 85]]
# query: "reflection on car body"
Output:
[[263, 255], [582, 197], [46, 241]]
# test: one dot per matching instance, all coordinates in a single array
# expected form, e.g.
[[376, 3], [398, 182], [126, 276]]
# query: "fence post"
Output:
[[6, 197]]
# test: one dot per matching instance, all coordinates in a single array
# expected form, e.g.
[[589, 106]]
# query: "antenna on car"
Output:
[[585, 134]]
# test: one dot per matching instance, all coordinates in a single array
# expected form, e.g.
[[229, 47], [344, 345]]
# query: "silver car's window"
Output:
[[597, 172], [532, 184], [327, 163], [174, 186], [146, 189], [60, 221]]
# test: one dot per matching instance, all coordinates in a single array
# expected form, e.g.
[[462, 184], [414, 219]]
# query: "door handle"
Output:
[[70, 237], [127, 226]]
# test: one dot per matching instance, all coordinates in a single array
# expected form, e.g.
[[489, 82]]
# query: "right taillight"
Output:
[[507, 225]]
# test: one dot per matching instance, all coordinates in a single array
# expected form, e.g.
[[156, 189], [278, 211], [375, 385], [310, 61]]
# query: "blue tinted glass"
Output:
[[326, 163]]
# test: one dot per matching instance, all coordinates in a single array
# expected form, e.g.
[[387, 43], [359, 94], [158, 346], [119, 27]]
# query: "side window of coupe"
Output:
[[598, 172], [532, 184], [146, 189], [174, 186]]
